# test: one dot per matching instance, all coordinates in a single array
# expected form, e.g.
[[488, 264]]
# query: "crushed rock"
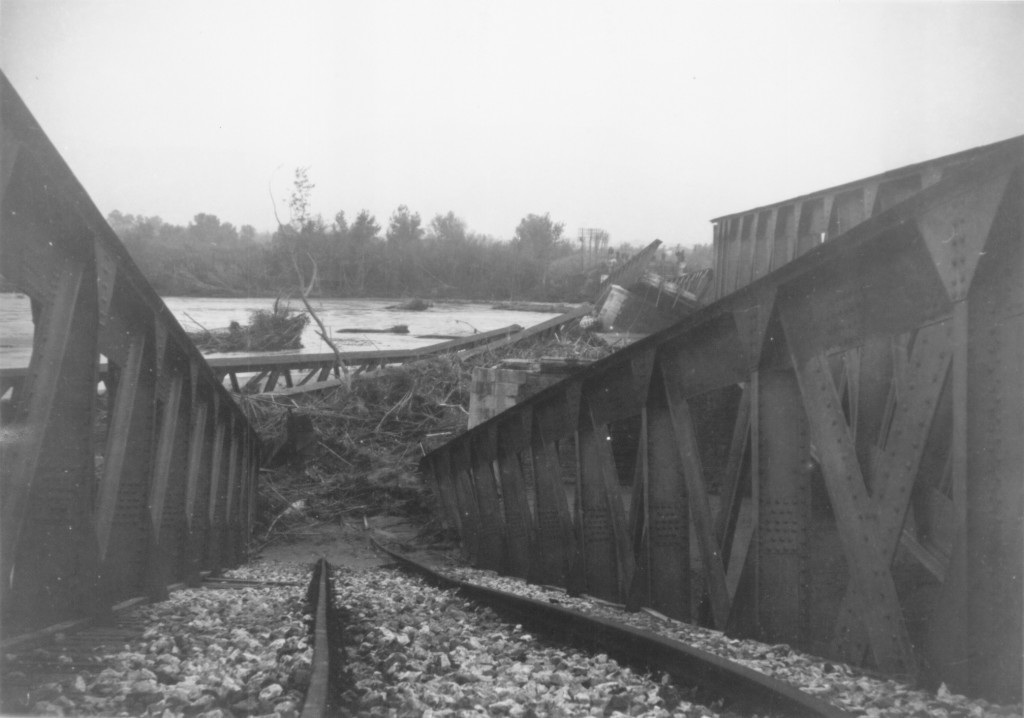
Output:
[[206, 653], [840, 684], [415, 650]]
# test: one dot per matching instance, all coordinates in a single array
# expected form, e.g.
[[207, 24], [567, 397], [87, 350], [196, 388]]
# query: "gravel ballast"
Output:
[[840, 684], [208, 653], [415, 650]]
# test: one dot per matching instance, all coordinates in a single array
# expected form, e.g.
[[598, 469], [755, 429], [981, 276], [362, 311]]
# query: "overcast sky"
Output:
[[646, 119]]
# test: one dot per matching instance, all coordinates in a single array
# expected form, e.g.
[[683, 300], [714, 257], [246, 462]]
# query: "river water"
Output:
[[218, 313]]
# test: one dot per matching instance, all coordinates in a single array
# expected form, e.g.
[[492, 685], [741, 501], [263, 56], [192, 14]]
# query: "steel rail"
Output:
[[725, 679], [318, 693]]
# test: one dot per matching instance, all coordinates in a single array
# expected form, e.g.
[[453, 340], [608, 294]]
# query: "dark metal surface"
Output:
[[749, 243], [864, 500], [104, 497], [323, 676]]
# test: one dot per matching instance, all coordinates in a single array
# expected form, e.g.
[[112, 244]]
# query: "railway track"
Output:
[[76, 669], [283, 640], [717, 680]]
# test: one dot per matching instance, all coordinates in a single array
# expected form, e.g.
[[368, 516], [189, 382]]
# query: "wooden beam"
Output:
[[309, 376]]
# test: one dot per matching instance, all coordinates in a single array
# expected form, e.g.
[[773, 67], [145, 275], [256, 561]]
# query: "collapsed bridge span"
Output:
[[829, 455]]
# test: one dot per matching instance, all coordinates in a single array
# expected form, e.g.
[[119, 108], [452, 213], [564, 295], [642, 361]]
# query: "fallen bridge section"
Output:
[[829, 456]]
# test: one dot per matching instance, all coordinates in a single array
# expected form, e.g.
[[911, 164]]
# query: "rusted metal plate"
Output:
[[218, 492], [667, 546], [555, 546], [595, 515], [711, 356], [898, 464], [167, 491], [469, 514], [518, 520], [889, 291], [615, 396], [752, 324], [868, 564], [469, 507], [869, 371], [876, 270], [49, 483], [492, 522], [995, 455], [956, 229], [449, 513], [696, 489], [90, 300], [784, 510], [123, 527]]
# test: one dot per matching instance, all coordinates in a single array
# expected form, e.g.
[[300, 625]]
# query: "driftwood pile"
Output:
[[278, 329]]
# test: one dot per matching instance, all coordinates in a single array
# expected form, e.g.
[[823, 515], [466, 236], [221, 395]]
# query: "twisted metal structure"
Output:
[[113, 496], [838, 436]]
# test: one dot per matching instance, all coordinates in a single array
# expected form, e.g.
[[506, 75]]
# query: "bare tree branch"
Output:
[[304, 293]]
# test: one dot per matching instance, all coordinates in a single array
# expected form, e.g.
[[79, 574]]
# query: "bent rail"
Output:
[[104, 497], [854, 417]]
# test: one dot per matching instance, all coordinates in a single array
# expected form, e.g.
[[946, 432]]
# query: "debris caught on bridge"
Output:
[[276, 329], [367, 441]]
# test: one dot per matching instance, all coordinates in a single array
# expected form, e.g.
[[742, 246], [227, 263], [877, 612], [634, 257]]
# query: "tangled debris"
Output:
[[279, 328], [359, 455], [415, 650]]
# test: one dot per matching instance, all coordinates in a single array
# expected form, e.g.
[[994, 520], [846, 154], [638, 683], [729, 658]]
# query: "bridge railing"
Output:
[[116, 493], [750, 244], [829, 457]]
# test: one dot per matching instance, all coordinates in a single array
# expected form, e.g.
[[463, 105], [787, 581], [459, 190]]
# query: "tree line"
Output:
[[360, 258]]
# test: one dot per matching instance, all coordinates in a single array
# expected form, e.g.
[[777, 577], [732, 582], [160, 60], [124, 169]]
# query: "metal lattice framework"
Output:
[[113, 496], [841, 437]]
